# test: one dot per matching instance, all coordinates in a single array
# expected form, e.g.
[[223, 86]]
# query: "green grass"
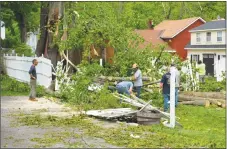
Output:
[[12, 87], [202, 127], [13, 93]]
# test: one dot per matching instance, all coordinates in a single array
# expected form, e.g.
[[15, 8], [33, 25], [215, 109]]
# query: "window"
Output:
[[197, 37], [208, 36], [195, 58], [219, 36]]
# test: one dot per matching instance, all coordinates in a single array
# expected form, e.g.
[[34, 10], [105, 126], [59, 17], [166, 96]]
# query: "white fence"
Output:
[[18, 67]]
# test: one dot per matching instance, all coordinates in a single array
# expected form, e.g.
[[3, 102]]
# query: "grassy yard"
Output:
[[12, 87], [202, 127]]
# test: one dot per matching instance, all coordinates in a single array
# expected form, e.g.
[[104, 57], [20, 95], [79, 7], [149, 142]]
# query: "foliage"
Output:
[[23, 49], [146, 58], [12, 36], [202, 127], [26, 14], [12, 87], [211, 85]]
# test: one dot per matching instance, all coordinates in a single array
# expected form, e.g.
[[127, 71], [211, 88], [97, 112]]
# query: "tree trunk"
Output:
[[217, 95], [43, 30], [110, 78], [23, 28], [193, 99], [205, 103], [54, 15]]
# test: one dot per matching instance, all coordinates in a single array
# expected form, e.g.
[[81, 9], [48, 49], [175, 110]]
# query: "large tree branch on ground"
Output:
[[205, 103], [216, 95], [110, 78], [193, 100]]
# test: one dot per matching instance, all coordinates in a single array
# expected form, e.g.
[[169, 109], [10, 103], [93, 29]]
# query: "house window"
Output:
[[208, 36], [219, 36], [197, 37], [195, 58]]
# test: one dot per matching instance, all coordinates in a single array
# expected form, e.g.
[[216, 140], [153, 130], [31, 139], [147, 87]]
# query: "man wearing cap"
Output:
[[137, 77]]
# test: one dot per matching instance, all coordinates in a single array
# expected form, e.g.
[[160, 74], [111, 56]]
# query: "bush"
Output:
[[211, 85], [12, 86], [23, 49]]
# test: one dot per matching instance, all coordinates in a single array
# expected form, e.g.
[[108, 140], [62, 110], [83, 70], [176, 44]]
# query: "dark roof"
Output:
[[212, 47], [211, 25]]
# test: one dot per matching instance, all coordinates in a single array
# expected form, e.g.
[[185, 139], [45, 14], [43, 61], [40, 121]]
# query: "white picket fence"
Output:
[[17, 67]]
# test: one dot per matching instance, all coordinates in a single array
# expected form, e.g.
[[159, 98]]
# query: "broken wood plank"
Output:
[[111, 113]]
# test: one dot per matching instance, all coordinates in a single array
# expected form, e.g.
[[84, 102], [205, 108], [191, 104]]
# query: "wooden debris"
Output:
[[111, 113], [196, 102], [184, 99]]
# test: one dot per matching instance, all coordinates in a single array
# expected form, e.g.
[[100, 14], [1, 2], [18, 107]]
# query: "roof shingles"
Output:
[[174, 27], [218, 24]]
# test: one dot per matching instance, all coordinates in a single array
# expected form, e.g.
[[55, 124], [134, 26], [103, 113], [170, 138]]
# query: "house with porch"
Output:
[[208, 43], [175, 33]]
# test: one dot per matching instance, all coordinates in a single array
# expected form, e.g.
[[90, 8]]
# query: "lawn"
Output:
[[202, 127]]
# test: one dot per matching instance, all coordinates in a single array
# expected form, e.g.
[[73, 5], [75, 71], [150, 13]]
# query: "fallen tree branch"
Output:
[[155, 82], [110, 78]]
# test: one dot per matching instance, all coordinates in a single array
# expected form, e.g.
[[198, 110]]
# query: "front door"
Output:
[[208, 60]]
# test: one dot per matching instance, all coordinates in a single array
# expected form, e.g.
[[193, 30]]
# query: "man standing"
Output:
[[124, 87], [201, 70], [137, 77], [177, 85], [165, 85], [33, 78]]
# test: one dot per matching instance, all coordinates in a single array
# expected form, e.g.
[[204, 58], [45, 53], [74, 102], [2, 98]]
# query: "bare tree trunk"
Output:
[[43, 30], [23, 28]]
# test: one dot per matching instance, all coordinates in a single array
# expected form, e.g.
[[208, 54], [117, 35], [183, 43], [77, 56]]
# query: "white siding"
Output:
[[219, 65], [203, 38]]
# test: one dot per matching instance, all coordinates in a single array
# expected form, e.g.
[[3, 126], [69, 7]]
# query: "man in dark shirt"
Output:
[[165, 85], [33, 78]]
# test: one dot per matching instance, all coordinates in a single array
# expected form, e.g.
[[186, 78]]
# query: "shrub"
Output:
[[23, 49], [211, 85]]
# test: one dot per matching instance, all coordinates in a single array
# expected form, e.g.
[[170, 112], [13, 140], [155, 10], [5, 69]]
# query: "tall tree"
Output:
[[25, 13]]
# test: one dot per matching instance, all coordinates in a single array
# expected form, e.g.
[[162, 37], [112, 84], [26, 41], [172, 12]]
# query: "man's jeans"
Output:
[[122, 90], [138, 90], [33, 88], [166, 100]]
